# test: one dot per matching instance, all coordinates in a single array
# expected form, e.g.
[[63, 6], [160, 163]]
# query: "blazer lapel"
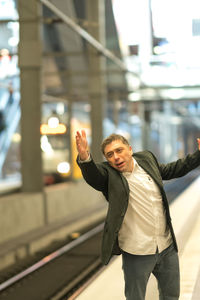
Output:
[[149, 169]]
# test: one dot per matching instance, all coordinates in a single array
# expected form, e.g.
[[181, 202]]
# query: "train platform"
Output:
[[185, 213]]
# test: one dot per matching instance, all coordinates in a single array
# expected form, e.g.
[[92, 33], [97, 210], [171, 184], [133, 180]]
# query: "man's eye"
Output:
[[109, 155], [119, 150]]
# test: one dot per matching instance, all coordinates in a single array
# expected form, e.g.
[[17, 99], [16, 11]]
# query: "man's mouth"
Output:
[[120, 164]]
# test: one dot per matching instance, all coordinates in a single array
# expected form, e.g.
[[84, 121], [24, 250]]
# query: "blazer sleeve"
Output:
[[180, 167], [94, 174]]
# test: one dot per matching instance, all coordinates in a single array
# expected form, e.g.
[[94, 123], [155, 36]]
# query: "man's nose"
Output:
[[116, 156]]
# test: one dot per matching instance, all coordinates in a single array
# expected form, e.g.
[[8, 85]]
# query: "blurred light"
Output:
[[173, 93], [13, 41], [149, 93], [134, 96], [4, 52], [175, 120], [53, 122], [63, 167], [87, 107], [45, 129], [134, 119], [133, 81], [75, 235], [7, 9], [128, 16], [46, 146], [60, 108], [47, 258], [16, 138], [158, 50]]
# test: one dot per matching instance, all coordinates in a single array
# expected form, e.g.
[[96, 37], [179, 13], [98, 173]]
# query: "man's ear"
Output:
[[131, 149]]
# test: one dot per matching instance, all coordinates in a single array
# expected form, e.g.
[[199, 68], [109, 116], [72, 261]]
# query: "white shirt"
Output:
[[144, 227]]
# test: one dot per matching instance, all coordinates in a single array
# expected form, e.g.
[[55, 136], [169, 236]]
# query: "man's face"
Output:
[[119, 156]]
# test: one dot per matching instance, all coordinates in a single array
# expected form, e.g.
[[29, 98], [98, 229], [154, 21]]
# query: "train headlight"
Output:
[[63, 167]]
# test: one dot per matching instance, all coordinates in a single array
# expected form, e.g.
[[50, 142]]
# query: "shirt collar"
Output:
[[135, 166]]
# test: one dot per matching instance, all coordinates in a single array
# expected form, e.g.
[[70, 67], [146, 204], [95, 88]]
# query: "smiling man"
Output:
[[138, 223]]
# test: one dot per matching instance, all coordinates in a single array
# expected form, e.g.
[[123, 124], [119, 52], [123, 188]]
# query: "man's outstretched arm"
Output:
[[94, 174], [182, 166], [82, 145]]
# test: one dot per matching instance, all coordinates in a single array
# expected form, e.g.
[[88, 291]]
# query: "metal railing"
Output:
[[85, 35]]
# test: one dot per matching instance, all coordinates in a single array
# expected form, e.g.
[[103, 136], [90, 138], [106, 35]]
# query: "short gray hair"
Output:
[[111, 138]]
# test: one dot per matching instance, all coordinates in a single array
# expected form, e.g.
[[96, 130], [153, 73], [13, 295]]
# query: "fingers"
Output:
[[81, 140], [78, 134], [82, 134]]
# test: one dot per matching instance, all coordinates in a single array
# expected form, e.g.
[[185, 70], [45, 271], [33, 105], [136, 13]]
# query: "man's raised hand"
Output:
[[82, 144]]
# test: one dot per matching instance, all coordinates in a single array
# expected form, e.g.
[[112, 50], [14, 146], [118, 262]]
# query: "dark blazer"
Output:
[[114, 187]]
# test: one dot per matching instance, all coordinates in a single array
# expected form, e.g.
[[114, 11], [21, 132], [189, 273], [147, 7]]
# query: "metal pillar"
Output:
[[30, 75], [145, 115], [116, 106], [169, 134], [97, 64]]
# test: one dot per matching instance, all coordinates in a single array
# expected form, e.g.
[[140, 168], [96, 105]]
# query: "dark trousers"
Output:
[[138, 268]]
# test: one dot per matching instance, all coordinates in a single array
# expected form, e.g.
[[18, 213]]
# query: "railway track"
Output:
[[59, 275]]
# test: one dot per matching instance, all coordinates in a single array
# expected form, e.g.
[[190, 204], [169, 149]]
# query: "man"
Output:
[[138, 222]]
